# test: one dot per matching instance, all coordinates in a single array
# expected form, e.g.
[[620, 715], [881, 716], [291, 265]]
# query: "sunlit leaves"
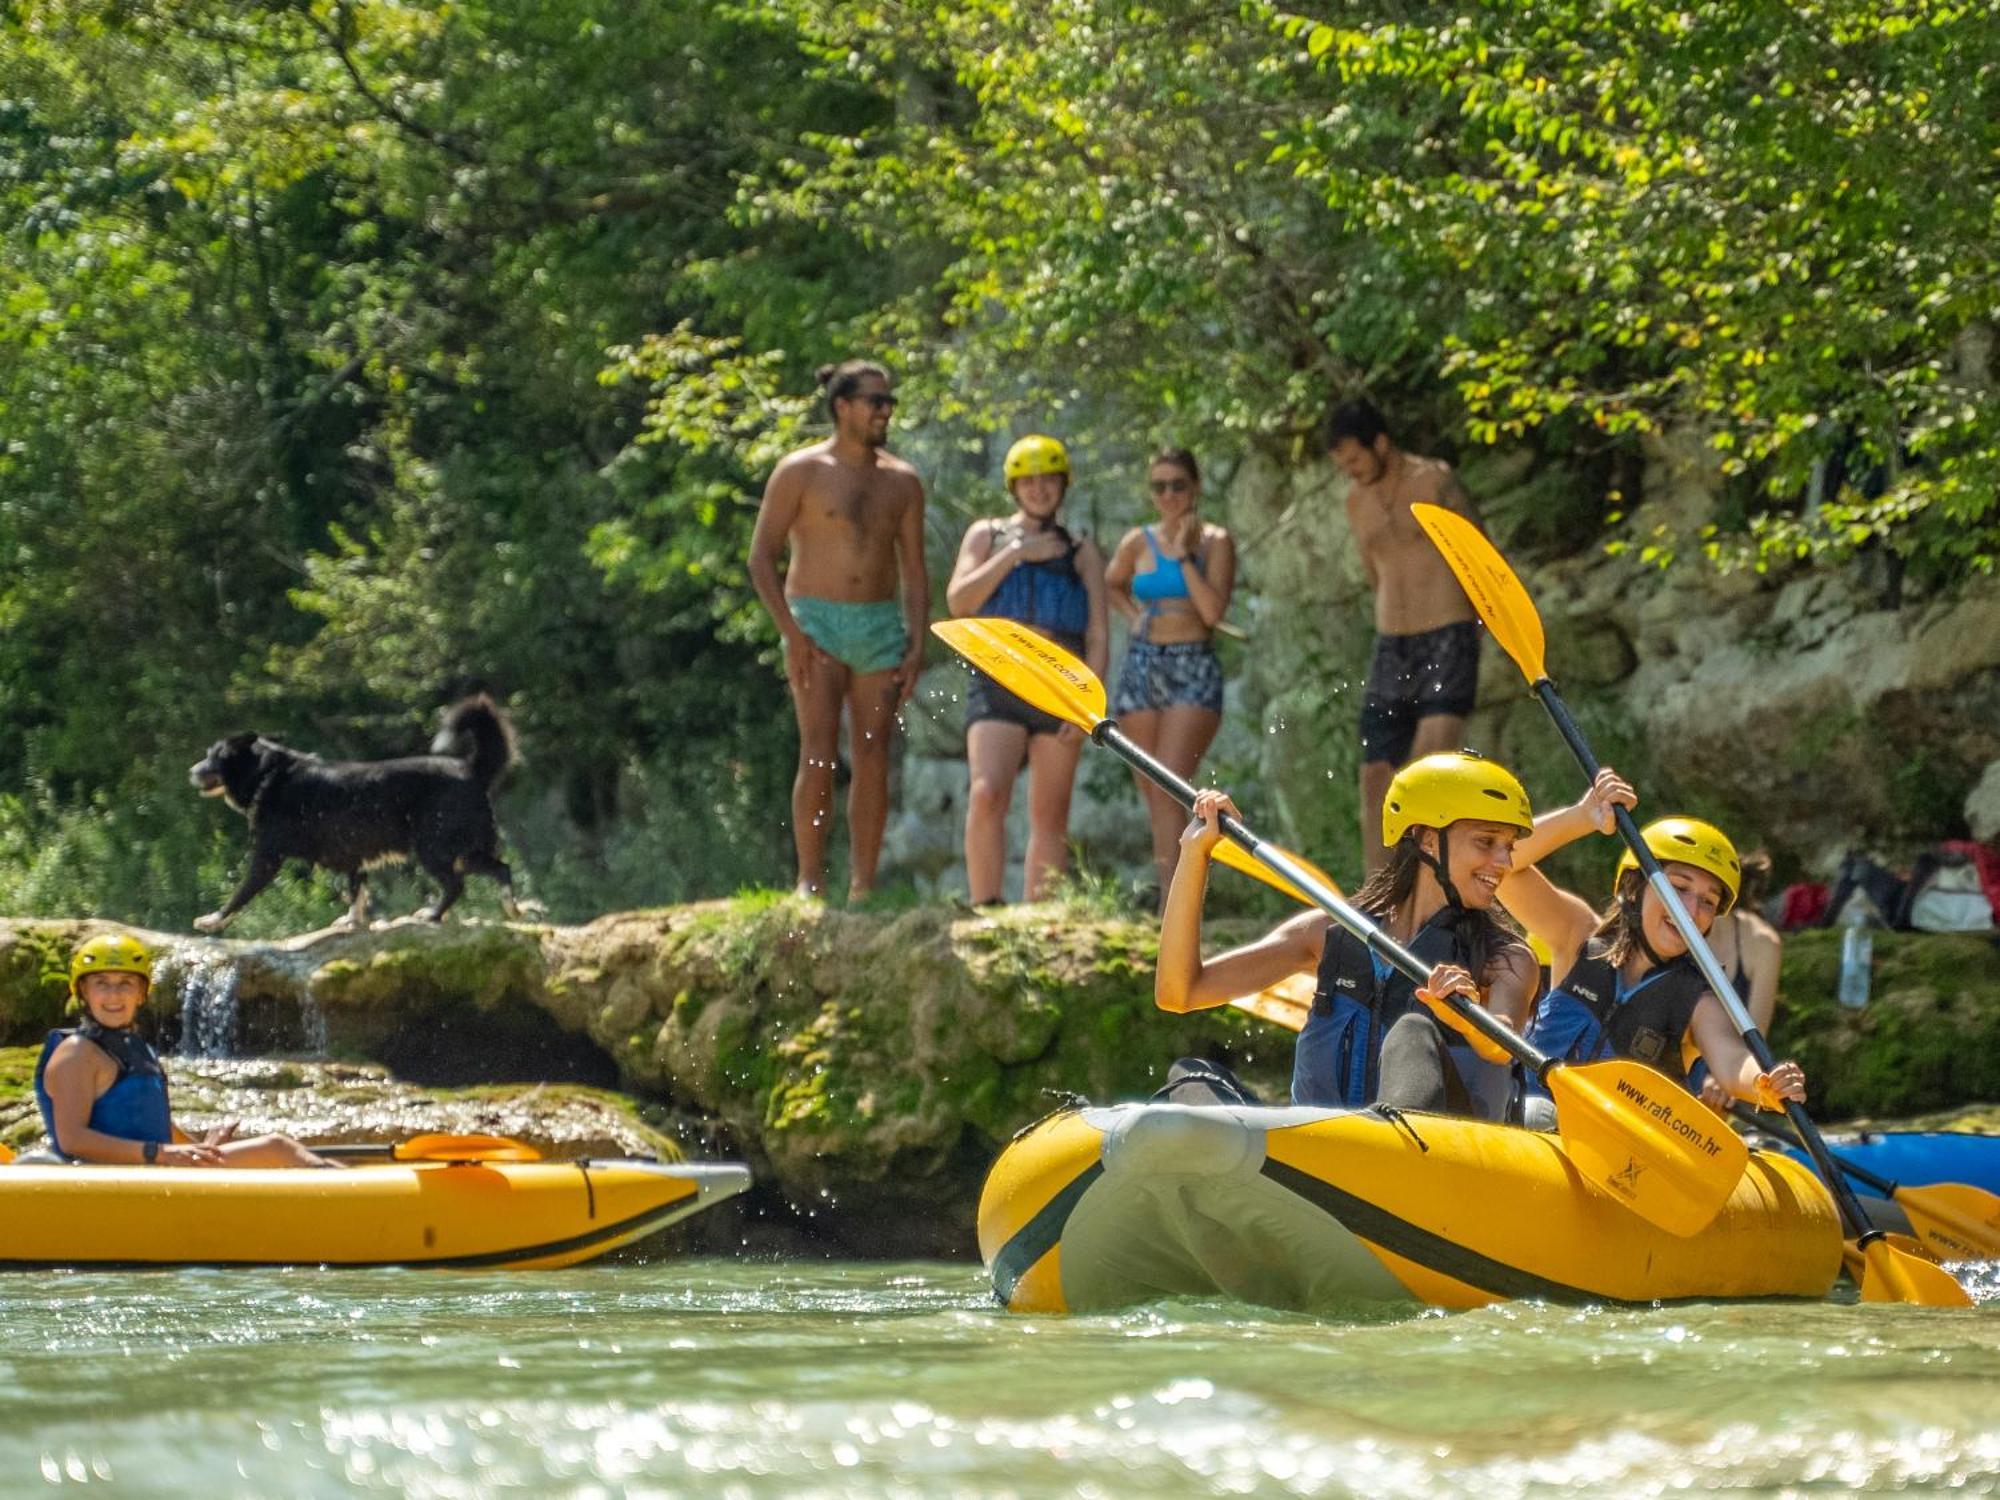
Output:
[[1770, 224]]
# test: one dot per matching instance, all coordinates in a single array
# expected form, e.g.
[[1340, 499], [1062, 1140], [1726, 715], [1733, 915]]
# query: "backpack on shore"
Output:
[[1953, 887]]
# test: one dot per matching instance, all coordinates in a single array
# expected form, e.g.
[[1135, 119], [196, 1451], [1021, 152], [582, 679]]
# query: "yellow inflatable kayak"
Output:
[[1312, 1210], [462, 1215]]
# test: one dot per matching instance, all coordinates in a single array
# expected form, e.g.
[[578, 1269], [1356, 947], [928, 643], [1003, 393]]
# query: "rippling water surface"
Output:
[[713, 1378]]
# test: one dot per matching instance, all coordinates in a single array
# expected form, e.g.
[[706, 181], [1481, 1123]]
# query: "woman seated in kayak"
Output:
[[101, 1089], [1623, 983], [1451, 821]]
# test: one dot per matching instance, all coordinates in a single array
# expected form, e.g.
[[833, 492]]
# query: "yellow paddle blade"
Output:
[[1894, 1269], [1029, 666], [1648, 1143], [6, 1155], [1955, 1220], [1239, 858], [1286, 1003], [1491, 586], [464, 1148]]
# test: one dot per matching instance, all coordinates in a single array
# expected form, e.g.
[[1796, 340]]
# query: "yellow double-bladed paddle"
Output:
[[1065, 687], [436, 1147], [1893, 1274], [1628, 1129]]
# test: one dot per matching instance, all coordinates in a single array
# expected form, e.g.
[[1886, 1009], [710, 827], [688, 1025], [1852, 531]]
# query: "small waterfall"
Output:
[[208, 980], [312, 1026]]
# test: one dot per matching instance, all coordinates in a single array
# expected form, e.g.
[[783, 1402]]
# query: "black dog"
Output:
[[348, 816]]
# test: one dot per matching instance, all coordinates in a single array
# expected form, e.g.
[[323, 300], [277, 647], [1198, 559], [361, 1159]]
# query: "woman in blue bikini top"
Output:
[[1171, 581], [1166, 579]]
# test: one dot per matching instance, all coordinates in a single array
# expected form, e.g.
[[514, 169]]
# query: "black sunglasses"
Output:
[[879, 400], [1172, 486]]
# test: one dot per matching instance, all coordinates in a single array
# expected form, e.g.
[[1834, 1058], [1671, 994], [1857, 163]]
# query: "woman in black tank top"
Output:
[[1028, 568]]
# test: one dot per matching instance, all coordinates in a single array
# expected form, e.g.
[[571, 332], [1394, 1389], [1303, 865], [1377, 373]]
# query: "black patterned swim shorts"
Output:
[[1412, 677]]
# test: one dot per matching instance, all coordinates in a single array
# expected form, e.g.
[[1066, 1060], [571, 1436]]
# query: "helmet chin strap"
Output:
[[1439, 863], [1637, 915]]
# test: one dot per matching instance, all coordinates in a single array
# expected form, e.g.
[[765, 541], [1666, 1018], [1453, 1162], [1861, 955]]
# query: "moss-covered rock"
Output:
[[1928, 1039], [34, 976], [869, 1066], [345, 1101]]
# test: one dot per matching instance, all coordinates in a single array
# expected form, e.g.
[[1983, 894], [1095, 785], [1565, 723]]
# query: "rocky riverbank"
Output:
[[867, 1066]]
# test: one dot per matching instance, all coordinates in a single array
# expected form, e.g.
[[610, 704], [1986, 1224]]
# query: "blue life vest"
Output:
[[134, 1108], [1337, 1062], [1047, 595], [1594, 1014]]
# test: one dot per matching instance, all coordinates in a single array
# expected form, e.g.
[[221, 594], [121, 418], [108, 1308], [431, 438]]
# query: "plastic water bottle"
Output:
[[1857, 955]]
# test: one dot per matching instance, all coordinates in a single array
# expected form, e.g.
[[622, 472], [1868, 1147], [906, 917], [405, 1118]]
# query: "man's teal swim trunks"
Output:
[[868, 637]]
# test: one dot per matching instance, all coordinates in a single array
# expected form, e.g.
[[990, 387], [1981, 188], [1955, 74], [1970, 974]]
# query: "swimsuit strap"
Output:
[[1161, 561], [1143, 630], [1161, 564]]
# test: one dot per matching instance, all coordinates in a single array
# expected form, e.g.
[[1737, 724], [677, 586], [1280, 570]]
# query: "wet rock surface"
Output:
[[867, 1066]]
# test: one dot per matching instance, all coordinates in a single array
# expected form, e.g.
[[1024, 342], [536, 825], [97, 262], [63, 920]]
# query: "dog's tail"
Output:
[[483, 724]]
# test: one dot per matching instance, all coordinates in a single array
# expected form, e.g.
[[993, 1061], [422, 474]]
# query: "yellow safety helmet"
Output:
[[111, 953], [1036, 454], [1439, 790], [1689, 841]]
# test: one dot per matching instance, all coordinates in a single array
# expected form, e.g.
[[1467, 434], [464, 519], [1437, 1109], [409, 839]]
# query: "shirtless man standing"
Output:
[[853, 515], [1424, 676]]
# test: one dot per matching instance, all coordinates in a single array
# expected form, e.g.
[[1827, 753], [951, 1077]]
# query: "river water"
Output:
[[735, 1379]]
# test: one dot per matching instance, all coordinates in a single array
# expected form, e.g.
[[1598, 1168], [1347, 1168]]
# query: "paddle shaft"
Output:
[[1829, 1170], [1111, 737], [1751, 1116], [363, 1150], [1977, 1239]]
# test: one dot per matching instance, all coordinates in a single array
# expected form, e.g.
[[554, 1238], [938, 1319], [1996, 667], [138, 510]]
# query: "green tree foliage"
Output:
[[355, 353], [308, 312], [1568, 222], [1774, 224]]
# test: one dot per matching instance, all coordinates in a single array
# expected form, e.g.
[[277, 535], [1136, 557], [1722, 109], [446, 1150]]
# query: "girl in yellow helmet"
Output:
[[102, 1091], [1623, 983], [1451, 822], [1025, 567]]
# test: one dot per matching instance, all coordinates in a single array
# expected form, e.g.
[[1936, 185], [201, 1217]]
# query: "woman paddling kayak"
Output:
[[1623, 983], [1451, 822], [102, 1091]]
